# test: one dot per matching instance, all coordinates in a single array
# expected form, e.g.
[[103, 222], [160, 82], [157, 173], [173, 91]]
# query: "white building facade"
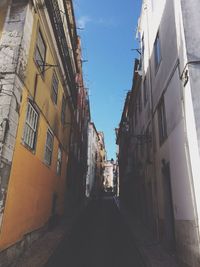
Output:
[[92, 158], [168, 113], [108, 174]]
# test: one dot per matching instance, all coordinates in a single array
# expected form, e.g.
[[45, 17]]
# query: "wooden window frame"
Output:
[[48, 148], [39, 55], [30, 128]]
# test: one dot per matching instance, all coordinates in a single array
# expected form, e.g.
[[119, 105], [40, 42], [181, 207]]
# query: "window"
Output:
[[157, 52], [142, 55], [162, 125], [40, 52], [48, 148], [59, 161], [30, 128], [145, 94], [54, 87], [141, 61], [63, 110]]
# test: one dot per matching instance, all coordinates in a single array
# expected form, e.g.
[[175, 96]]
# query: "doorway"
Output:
[[169, 228]]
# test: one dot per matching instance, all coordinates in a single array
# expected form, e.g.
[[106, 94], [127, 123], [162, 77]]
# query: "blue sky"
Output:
[[107, 39]]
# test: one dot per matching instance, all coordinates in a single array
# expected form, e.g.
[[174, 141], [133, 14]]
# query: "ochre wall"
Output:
[[32, 183], [31, 187]]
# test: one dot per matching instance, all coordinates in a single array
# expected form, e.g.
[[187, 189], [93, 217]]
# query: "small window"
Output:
[[40, 52], [162, 124], [157, 52], [59, 161], [142, 55], [48, 148], [63, 110], [145, 93], [30, 128], [54, 87]]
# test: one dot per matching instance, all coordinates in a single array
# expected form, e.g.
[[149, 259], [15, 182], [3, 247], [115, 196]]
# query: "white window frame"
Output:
[[30, 128], [48, 147]]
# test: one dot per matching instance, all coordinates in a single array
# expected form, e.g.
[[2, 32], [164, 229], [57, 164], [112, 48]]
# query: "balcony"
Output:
[[64, 50]]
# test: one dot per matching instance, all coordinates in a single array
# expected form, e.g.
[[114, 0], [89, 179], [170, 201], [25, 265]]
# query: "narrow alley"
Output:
[[99, 162], [99, 238]]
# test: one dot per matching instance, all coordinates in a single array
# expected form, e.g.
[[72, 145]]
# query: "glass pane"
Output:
[[41, 46]]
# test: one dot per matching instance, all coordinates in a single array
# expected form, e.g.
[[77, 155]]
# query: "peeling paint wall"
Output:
[[14, 46]]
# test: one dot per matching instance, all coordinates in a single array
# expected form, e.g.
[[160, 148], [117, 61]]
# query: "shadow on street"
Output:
[[100, 238]]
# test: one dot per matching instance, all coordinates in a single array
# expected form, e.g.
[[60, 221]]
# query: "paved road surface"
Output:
[[100, 238]]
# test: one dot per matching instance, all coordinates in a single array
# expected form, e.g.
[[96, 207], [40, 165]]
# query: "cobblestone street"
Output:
[[100, 238]]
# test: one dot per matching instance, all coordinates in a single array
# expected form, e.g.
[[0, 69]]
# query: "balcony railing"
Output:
[[64, 50]]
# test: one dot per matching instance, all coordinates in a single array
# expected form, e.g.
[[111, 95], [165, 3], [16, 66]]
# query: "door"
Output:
[[169, 229]]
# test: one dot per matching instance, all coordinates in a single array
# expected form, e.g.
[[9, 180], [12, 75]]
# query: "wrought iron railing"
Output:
[[64, 50]]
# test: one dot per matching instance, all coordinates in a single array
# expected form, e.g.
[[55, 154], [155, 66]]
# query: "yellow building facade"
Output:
[[37, 123]]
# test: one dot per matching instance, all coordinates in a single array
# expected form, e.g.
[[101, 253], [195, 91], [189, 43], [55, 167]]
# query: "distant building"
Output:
[[100, 162], [93, 150], [109, 175]]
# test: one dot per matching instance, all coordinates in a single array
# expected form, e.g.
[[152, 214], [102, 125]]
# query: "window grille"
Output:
[[48, 148], [30, 129]]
